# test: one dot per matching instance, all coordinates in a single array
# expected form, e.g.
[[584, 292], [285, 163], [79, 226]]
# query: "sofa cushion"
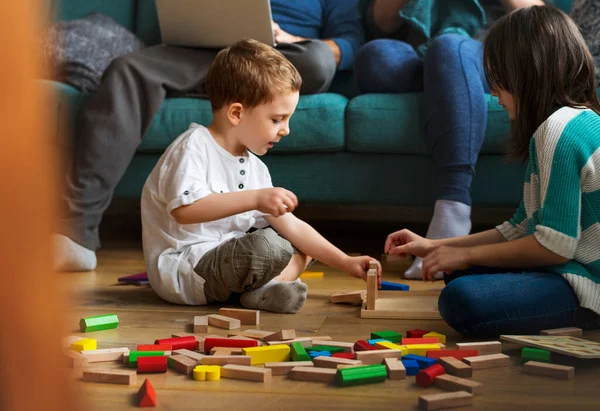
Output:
[[147, 27], [122, 11]]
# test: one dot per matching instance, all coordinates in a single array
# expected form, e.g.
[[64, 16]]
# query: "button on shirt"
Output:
[[193, 167]]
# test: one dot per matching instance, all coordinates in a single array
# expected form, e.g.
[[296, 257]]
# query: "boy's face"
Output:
[[263, 126]]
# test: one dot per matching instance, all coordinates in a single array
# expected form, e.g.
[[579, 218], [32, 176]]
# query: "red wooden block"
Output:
[[155, 347], [210, 343], [146, 395], [347, 355], [362, 345], [426, 377], [458, 354], [152, 364], [179, 343], [411, 341], [416, 333]]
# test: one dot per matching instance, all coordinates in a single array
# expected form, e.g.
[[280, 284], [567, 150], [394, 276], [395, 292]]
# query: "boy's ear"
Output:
[[235, 112]]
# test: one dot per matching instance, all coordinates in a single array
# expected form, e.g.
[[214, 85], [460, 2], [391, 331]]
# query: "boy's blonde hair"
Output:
[[250, 73]]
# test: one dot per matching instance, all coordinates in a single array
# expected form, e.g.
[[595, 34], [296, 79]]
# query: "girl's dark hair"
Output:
[[539, 56]]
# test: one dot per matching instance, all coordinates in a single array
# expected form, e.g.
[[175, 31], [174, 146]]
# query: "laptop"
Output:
[[214, 23]]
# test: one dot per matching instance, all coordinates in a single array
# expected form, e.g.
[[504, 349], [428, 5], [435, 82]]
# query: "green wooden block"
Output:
[[535, 354], [362, 375], [391, 336], [99, 322], [133, 355], [299, 352], [329, 348]]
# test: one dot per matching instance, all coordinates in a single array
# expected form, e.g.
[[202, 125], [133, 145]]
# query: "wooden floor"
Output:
[[144, 317]]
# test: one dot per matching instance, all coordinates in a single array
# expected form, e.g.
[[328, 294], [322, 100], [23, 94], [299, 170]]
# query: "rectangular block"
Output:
[[313, 374], [67, 341], [453, 366], [256, 334], [424, 362], [377, 356], [85, 344], [561, 372], [284, 368], [416, 333], [105, 355], [535, 354], [371, 289], [190, 354], [395, 368], [452, 383], [125, 377], [413, 341], [445, 400], [271, 353], [386, 345], [484, 348], [488, 361], [362, 375], [155, 347], [134, 355], [182, 364], [209, 343], [347, 347], [412, 367], [243, 372], [246, 317], [200, 324], [330, 349], [389, 335], [304, 341], [222, 321], [458, 354], [75, 360], [280, 336], [351, 297], [225, 351], [333, 362], [433, 334], [569, 331], [421, 349], [98, 323], [298, 352], [226, 359]]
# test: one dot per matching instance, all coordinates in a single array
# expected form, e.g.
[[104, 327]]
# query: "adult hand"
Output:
[[446, 259], [282, 36], [405, 242]]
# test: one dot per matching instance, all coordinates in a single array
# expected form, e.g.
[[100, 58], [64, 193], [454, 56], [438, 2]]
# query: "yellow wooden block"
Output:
[[391, 346], [312, 274], [270, 353], [207, 373], [441, 337], [421, 349], [84, 344]]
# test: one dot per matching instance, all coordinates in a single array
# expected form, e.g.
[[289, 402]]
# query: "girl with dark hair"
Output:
[[540, 269]]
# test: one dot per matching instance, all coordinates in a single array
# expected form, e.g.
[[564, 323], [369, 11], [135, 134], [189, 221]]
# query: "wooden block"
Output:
[[333, 362], [67, 341], [105, 355], [256, 334], [453, 366], [272, 353], [226, 359], [246, 317], [75, 360], [377, 356], [427, 376], [441, 337], [366, 374], [313, 374], [182, 364], [561, 372], [210, 343], [484, 348], [200, 343], [226, 351], [201, 324], [395, 368], [146, 395], [322, 338], [445, 400], [488, 361], [282, 335], [349, 297], [284, 368], [458, 354], [421, 349], [190, 354], [84, 344], [126, 359], [414, 341], [155, 347], [179, 335], [304, 341], [348, 347], [452, 383], [152, 364], [125, 377], [371, 289], [207, 373], [221, 321], [243, 372], [570, 331], [99, 323], [386, 345], [312, 274]]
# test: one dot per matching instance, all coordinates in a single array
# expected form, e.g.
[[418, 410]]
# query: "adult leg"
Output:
[[476, 304], [110, 128], [314, 61], [454, 120], [388, 66]]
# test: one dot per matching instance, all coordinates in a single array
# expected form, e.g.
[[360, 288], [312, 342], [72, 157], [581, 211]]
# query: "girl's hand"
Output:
[[359, 266], [446, 259], [405, 242]]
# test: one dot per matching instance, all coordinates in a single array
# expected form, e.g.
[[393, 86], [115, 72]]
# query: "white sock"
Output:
[[450, 219], [70, 256], [276, 296]]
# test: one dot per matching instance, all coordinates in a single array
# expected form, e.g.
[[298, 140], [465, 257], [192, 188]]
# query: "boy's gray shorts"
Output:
[[243, 264]]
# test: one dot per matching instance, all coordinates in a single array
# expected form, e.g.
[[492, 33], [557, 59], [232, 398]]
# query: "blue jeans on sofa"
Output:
[[484, 301], [454, 111]]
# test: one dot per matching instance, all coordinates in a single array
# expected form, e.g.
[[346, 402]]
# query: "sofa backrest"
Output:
[[123, 11]]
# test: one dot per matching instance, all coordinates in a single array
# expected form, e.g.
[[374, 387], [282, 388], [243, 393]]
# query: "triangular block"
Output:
[[147, 395]]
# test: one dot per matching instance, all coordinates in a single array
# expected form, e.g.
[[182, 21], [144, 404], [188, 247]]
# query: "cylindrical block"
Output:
[[152, 364], [179, 343], [210, 343], [426, 377], [362, 375]]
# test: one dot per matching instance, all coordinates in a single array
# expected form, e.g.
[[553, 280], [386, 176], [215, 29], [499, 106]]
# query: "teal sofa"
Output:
[[343, 148]]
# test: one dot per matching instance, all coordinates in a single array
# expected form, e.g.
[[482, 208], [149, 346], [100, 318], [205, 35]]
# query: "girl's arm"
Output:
[[492, 236]]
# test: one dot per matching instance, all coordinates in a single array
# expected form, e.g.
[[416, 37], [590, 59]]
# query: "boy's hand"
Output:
[[405, 242], [446, 259], [276, 201], [359, 266]]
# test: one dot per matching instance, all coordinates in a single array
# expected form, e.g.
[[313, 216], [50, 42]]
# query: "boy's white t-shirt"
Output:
[[193, 166]]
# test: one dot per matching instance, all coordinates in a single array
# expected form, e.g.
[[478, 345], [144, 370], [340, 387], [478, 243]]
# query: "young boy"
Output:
[[209, 189]]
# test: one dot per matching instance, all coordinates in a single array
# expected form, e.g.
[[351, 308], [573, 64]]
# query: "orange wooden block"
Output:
[[146, 395]]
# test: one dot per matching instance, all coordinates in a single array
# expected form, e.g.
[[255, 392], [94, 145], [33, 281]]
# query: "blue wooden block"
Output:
[[424, 362], [412, 367], [386, 285], [315, 354], [376, 340]]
